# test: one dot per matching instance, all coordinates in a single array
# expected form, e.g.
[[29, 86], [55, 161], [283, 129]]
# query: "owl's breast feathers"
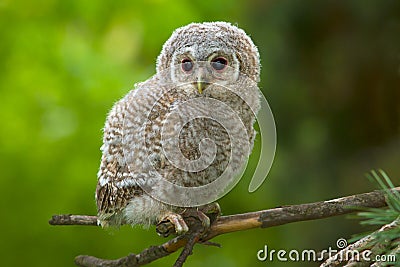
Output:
[[132, 137]]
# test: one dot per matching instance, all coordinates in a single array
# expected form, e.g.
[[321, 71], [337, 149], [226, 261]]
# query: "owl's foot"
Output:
[[212, 210], [206, 215], [172, 223]]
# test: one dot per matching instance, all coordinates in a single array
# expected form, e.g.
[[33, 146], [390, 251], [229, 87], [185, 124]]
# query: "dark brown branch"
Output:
[[233, 223], [192, 239], [146, 256]]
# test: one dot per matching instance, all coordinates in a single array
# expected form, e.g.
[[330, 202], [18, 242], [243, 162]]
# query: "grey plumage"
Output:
[[132, 144]]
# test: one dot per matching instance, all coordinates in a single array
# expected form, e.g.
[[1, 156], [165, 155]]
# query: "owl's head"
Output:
[[207, 53]]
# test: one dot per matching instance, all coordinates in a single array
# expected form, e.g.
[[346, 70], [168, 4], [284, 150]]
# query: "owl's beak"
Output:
[[201, 83]]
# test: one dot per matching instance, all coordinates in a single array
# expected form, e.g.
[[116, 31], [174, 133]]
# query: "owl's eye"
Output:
[[187, 65], [219, 63]]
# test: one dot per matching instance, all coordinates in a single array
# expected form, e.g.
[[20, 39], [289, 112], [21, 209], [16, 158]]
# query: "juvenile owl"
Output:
[[169, 141]]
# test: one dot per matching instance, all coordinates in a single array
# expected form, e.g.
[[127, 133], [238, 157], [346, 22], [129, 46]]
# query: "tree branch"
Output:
[[232, 223], [69, 219]]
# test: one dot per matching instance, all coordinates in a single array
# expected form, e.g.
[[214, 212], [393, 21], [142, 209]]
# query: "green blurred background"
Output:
[[330, 73]]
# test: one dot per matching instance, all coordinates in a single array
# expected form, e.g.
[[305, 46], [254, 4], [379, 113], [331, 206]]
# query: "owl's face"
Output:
[[200, 54], [200, 65]]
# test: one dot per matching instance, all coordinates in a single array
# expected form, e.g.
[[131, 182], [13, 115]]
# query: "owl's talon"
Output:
[[208, 214], [172, 224], [204, 219], [212, 209]]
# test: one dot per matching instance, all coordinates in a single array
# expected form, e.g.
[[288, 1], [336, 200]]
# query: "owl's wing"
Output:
[[112, 192]]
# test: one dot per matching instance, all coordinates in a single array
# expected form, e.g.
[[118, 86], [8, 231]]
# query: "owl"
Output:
[[170, 139]]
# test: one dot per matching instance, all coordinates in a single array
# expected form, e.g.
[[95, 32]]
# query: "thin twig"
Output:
[[69, 219], [187, 250]]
